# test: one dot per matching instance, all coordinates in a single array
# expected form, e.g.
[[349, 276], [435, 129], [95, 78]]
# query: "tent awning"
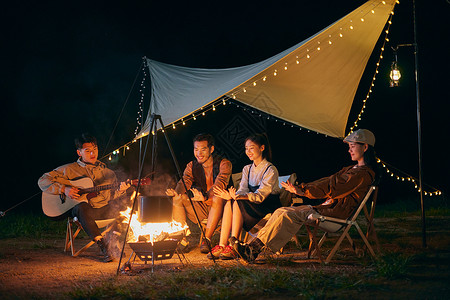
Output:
[[311, 84]]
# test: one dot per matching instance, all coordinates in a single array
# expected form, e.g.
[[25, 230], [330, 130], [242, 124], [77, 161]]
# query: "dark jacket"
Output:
[[343, 191]]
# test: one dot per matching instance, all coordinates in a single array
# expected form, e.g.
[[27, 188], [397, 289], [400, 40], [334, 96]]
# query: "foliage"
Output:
[[30, 225], [223, 283], [391, 265]]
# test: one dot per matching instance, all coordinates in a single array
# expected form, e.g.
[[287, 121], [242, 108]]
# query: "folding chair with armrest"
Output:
[[334, 225]]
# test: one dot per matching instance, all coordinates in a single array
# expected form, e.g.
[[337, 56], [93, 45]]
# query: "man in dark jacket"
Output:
[[201, 175]]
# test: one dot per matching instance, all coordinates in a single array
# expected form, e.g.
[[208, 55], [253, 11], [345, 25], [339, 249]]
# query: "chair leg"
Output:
[[365, 240], [352, 243], [69, 237], [313, 242], [338, 243]]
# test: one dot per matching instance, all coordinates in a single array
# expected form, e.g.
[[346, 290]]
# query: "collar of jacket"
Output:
[[84, 165]]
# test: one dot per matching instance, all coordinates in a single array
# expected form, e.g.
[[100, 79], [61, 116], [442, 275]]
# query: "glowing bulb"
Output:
[[214, 108], [110, 157], [362, 19], [264, 78], [275, 73], [254, 83], [173, 125], [203, 113], [341, 35], [307, 56], [193, 117], [372, 11], [128, 148], [351, 26]]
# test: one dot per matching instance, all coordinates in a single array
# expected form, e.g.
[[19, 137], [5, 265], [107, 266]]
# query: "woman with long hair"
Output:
[[341, 193], [258, 195]]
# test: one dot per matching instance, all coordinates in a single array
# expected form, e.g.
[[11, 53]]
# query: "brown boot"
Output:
[[106, 256]]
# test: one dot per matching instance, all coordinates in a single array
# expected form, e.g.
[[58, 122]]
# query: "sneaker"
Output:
[[247, 252], [204, 247], [228, 253], [106, 256], [215, 252]]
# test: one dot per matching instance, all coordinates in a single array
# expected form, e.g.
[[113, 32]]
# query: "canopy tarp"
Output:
[[311, 84]]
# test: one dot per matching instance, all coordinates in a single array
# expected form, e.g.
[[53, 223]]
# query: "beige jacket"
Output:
[[54, 181]]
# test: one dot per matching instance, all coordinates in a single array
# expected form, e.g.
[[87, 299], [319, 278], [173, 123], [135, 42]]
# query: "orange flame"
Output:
[[150, 231]]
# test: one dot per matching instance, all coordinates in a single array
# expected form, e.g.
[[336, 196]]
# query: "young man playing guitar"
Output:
[[73, 200]]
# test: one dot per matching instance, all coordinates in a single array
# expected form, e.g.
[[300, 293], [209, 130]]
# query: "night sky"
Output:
[[68, 67]]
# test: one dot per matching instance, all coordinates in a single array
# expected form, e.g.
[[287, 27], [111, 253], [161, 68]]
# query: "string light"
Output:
[[142, 91], [327, 40], [407, 178], [308, 53], [372, 84]]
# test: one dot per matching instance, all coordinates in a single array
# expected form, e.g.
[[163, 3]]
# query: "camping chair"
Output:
[[334, 225], [285, 199], [107, 224]]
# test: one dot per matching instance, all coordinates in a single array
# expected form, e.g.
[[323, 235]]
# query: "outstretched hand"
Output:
[[288, 187], [198, 196], [224, 194], [172, 193]]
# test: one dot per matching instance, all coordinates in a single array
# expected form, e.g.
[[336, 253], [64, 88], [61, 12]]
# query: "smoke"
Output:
[[158, 186]]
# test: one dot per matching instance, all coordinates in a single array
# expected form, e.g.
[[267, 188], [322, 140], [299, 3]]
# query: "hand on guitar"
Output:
[[72, 192], [124, 185]]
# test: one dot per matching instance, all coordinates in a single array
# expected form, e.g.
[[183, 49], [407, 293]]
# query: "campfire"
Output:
[[149, 232], [153, 235]]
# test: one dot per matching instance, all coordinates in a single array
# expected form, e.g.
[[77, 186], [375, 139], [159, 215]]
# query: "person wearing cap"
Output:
[[342, 193]]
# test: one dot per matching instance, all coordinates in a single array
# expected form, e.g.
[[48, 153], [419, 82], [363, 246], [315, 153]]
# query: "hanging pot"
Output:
[[155, 209]]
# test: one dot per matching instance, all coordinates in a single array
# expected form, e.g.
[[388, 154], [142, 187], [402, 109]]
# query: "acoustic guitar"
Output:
[[56, 205]]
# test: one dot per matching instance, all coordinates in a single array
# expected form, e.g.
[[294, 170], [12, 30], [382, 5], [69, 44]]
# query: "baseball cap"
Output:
[[361, 136]]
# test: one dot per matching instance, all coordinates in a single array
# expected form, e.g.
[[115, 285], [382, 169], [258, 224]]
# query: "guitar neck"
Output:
[[100, 188]]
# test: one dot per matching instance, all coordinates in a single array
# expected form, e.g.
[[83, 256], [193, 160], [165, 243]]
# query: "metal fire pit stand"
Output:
[[154, 128], [155, 251]]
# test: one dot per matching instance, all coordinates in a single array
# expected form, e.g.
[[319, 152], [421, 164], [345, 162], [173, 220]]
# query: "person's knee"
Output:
[[280, 212], [180, 200], [82, 208], [217, 202]]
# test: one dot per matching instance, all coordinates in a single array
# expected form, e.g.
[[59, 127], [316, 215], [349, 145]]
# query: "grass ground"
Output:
[[31, 264]]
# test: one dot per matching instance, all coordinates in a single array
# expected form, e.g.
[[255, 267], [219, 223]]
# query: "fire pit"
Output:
[[153, 234], [147, 251]]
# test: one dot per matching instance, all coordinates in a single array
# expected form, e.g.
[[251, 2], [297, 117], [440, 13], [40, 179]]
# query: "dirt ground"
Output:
[[39, 268]]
